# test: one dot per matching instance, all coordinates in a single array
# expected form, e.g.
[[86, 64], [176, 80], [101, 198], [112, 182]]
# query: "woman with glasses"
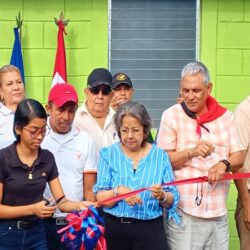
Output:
[[135, 223], [11, 93], [25, 169]]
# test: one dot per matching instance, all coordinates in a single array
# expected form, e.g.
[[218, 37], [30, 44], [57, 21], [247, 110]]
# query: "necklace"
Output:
[[137, 160], [30, 175]]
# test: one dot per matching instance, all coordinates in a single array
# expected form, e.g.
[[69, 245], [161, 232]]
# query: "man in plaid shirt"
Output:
[[201, 139]]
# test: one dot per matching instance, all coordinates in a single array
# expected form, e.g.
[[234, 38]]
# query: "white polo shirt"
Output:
[[6, 126], [102, 137], [75, 155]]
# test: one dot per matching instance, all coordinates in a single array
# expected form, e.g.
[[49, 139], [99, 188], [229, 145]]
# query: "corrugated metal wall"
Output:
[[151, 40]]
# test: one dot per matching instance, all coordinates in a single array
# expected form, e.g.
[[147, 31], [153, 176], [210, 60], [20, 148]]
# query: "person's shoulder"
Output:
[[244, 105], [110, 149], [172, 112], [5, 111], [45, 154], [159, 154], [173, 108], [158, 150], [82, 109], [111, 111], [7, 150], [81, 135]]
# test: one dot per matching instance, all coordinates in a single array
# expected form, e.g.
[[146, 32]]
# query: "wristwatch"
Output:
[[228, 165]]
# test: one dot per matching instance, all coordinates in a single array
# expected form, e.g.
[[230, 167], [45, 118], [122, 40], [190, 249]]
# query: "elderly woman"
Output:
[[11, 94], [133, 163]]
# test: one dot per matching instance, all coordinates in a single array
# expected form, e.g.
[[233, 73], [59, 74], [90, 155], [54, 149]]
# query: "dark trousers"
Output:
[[136, 235], [53, 238]]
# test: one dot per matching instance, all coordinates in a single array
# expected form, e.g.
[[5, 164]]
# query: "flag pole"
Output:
[[16, 56], [19, 23], [61, 19], [60, 69]]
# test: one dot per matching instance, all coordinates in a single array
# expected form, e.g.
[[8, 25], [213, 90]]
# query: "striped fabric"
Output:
[[178, 132], [115, 168]]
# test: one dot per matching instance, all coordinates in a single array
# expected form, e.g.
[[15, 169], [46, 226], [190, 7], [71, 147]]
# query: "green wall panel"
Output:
[[86, 41], [230, 10], [6, 34], [42, 10], [9, 9], [82, 9], [229, 62]]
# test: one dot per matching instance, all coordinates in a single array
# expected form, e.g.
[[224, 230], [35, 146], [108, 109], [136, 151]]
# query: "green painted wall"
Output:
[[225, 49], [86, 43]]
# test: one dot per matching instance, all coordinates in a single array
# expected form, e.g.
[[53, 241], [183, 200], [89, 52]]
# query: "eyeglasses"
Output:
[[133, 131], [96, 90], [34, 133]]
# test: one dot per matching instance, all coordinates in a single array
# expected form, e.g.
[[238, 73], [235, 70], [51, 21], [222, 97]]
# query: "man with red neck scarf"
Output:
[[201, 139]]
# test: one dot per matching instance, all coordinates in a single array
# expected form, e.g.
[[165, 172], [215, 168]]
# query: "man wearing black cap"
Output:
[[95, 116], [123, 92], [122, 88]]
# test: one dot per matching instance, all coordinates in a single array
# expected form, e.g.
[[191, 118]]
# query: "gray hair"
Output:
[[136, 110], [7, 68], [195, 68]]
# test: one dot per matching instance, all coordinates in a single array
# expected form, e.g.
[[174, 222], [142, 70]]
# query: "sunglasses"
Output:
[[96, 90]]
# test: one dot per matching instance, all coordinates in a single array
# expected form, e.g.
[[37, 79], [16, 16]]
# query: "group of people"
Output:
[[67, 157]]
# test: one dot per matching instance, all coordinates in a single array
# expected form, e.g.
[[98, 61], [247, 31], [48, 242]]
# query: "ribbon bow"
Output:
[[85, 230]]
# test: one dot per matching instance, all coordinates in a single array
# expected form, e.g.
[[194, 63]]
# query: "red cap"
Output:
[[62, 93]]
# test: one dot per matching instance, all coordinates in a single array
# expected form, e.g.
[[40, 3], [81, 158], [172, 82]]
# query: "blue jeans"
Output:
[[12, 238]]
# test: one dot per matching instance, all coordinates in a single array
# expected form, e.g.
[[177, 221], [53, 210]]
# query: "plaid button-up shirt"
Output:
[[178, 132]]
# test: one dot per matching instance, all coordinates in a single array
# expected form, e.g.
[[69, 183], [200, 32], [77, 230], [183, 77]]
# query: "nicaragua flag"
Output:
[[16, 57], [60, 74]]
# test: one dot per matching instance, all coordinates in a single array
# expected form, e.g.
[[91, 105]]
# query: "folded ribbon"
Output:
[[85, 230]]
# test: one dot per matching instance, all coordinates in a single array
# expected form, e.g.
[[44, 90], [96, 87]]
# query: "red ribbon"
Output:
[[228, 176], [75, 221]]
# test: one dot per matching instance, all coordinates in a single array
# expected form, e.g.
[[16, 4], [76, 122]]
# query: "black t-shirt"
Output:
[[18, 189]]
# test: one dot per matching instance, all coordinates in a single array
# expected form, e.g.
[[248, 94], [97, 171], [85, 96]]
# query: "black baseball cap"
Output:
[[121, 78], [99, 76]]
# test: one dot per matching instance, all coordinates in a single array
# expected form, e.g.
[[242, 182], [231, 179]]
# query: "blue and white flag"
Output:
[[16, 57]]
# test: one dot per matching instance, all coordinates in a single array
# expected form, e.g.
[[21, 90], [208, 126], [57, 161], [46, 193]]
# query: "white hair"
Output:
[[195, 68]]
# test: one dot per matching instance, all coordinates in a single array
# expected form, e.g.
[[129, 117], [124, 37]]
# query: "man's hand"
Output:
[[117, 100], [216, 173], [203, 148]]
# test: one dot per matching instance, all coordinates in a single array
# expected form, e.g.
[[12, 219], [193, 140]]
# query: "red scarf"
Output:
[[214, 111]]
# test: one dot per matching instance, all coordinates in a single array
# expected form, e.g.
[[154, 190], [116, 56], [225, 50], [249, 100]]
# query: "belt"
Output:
[[59, 221], [127, 220], [20, 224]]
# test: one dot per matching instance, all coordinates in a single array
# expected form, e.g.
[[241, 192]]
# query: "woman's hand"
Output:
[[81, 205], [133, 200], [158, 192], [43, 211]]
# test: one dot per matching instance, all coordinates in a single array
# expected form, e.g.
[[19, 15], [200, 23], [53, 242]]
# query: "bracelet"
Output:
[[59, 200], [115, 191], [164, 199]]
